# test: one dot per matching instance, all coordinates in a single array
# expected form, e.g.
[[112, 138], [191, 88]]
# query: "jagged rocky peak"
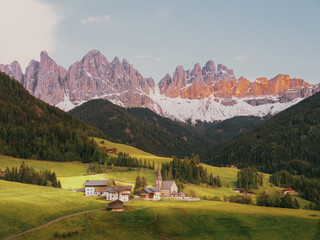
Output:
[[223, 73], [13, 70], [209, 68], [93, 60], [196, 71]]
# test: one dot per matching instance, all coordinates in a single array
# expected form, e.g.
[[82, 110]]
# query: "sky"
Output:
[[255, 38]]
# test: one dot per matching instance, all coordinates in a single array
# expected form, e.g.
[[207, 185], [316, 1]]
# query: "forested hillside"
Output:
[[290, 141], [30, 128], [144, 129]]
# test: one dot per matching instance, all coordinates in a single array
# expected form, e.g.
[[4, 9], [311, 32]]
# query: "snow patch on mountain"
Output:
[[211, 108]]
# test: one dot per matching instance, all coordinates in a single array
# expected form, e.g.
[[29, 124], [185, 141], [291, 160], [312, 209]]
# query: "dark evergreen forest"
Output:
[[30, 128], [288, 141]]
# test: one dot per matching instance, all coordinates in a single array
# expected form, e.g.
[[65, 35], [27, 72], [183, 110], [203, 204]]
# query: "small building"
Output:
[[109, 150], [118, 193], [95, 187], [240, 190], [115, 206], [152, 194], [181, 194], [231, 166], [286, 191]]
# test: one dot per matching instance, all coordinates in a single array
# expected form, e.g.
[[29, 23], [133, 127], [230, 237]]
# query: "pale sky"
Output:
[[254, 38]]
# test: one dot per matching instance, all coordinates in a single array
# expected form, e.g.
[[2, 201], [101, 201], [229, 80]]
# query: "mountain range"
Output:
[[209, 93]]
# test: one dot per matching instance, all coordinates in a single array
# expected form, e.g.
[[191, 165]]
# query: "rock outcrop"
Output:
[[208, 93]]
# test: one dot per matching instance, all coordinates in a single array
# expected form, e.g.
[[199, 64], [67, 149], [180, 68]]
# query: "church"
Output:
[[167, 188]]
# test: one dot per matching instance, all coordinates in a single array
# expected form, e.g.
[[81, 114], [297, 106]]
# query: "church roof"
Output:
[[166, 185]]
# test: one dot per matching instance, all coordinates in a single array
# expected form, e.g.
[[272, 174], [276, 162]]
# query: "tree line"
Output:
[[309, 188], [188, 170], [277, 200], [26, 174], [249, 178]]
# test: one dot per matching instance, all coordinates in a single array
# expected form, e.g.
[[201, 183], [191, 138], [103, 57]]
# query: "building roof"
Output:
[[118, 189], [117, 204], [181, 193], [150, 190], [91, 183], [166, 185]]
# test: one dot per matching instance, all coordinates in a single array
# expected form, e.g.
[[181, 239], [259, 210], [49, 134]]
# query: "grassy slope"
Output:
[[131, 176], [134, 152], [62, 169], [23, 206], [188, 220]]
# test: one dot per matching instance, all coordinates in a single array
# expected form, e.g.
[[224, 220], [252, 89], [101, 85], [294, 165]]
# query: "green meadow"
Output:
[[62, 169], [134, 152], [187, 220], [24, 206], [131, 176]]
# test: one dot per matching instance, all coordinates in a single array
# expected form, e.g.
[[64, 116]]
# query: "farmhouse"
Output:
[[231, 166], [95, 187], [150, 194], [118, 193], [109, 150], [286, 191], [115, 206], [167, 188]]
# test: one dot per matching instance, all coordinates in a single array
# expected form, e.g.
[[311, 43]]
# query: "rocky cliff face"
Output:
[[205, 82], [207, 93]]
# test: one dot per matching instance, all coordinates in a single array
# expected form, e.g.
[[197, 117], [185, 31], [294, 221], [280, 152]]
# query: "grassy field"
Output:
[[227, 175], [187, 220], [208, 192], [62, 169], [131, 176], [24, 206], [134, 152]]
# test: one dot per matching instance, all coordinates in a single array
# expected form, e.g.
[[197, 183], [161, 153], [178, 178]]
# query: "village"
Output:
[[118, 195]]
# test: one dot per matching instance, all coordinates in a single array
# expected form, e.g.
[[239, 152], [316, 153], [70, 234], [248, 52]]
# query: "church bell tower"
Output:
[[159, 179]]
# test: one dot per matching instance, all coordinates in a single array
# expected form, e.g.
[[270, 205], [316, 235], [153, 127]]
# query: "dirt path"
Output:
[[53, 221]]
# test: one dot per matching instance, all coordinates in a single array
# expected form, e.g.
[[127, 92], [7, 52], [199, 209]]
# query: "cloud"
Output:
[[28, 26], [91, 20], [241, 58], [157, 59]]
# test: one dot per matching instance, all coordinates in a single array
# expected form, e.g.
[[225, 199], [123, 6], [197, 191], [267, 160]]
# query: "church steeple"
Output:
[[159, 179]]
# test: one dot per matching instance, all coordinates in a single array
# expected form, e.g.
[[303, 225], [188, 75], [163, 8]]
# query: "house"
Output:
[[118, 193], [95, 187], [231, 166], [181, 194], [109, 150], [2, 173], [167, 188], [115, 206], [240, 190], [150, 194], [288, 191]]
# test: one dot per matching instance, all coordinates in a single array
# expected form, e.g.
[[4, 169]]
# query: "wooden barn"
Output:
[[288, 191], [115, 206], [109, 150]]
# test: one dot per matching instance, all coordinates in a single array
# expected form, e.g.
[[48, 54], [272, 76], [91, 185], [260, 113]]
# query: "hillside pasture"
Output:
[[132, 151], [24, 206], [187, 220], [62, 169]]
